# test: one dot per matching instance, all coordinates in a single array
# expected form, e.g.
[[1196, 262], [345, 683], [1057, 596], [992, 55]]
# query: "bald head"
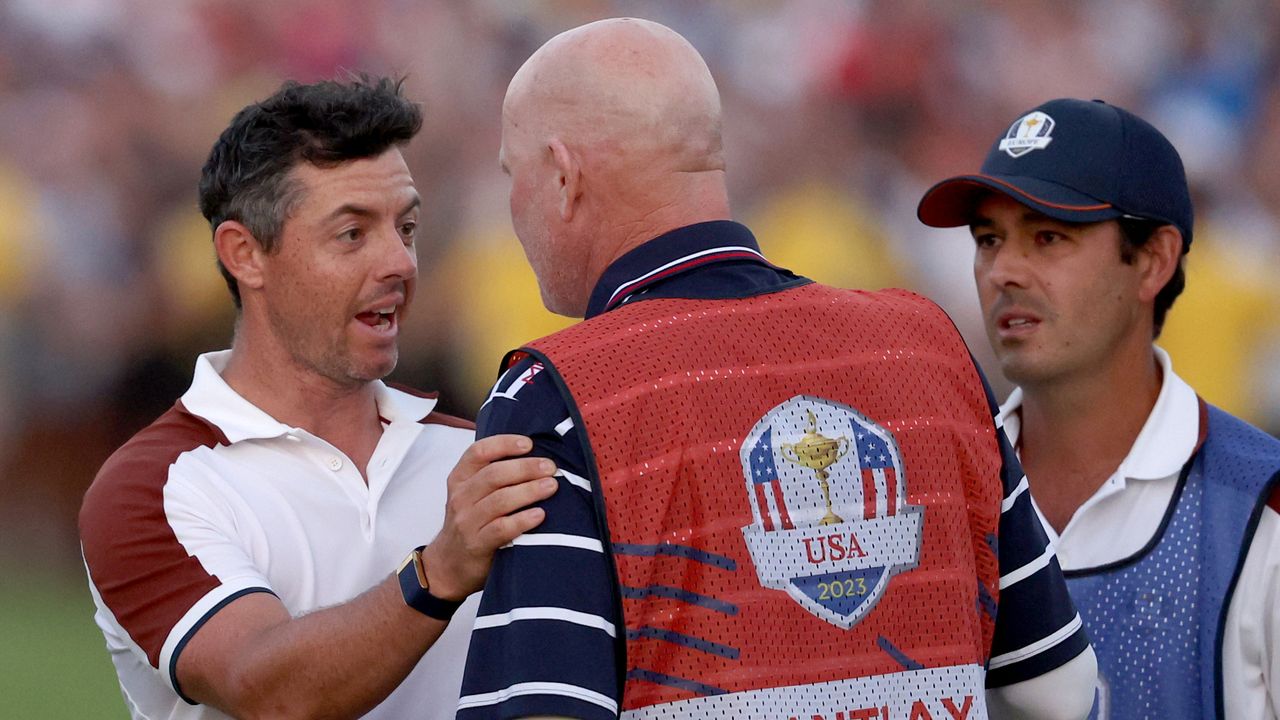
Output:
[[622, 86], [611, 136]]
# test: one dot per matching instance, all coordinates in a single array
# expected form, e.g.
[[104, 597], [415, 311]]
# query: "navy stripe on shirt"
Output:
[[1037, 627]]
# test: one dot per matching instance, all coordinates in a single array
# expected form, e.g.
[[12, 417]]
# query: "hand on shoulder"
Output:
[[487, 489]]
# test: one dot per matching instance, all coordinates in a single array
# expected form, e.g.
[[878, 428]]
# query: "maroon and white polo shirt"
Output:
[[216, 499]]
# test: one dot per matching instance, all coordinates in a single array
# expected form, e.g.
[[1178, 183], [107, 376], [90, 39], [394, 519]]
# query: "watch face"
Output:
[[421, 569], [417, 595], [407, 559]]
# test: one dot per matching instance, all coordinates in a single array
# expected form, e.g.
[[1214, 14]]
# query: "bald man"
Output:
[[776, 498]]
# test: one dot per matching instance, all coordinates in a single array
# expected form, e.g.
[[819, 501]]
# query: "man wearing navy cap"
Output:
[[1162, 506]]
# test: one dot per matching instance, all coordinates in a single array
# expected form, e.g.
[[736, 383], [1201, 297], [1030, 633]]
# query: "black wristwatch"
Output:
[[417, 591]]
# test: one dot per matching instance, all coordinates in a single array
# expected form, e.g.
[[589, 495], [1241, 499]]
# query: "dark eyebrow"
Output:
[[350, 209], [413, 204], [1030, 216], [362, 211]]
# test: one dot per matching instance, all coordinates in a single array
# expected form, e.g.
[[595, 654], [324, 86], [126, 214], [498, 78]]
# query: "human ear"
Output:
[[1158, 258], [568, 178], [240, 253]]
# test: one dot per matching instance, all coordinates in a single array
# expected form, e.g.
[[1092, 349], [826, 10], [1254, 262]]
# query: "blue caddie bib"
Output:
[[1156, 619]]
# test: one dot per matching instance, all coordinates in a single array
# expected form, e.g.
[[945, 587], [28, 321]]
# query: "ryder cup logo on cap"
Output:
[[1030, 132], [1074, 160], [828, 494]]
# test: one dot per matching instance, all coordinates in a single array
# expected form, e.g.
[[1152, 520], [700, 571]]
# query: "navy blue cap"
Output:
[[1077, 161]]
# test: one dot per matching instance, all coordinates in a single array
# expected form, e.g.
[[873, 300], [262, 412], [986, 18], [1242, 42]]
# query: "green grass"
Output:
[[53, 661]]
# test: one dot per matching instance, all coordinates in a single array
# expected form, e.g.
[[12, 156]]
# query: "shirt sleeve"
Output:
[[1037, 626], [159, 555], [548, 634], [1251, 637]]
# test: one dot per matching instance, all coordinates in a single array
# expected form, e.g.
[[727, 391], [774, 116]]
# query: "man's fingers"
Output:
[[486, 451], [508, 527], [507, 500], [501, 474]]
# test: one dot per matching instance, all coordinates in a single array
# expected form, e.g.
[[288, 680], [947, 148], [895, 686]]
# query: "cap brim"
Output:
[[952, 202]]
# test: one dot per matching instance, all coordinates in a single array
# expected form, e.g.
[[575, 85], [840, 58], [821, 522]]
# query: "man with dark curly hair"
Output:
[[242, 549]]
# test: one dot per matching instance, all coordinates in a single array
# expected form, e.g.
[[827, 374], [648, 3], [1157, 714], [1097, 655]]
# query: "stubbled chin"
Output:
[[1019, 367], [373, 363], [383, 368]]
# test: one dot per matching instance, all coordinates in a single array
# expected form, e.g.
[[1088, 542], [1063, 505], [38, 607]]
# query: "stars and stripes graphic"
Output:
[[822, 455], [879, 481], [767, 489], [874, 470]]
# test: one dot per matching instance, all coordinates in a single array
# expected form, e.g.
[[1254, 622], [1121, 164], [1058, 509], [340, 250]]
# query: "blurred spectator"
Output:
[[836, 114]]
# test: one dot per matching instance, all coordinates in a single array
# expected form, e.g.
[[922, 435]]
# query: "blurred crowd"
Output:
[[839, 114]]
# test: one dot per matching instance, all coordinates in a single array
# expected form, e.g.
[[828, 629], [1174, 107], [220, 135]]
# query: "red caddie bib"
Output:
[[802, 491]]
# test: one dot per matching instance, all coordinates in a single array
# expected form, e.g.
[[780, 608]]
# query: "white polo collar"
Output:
[[212, 398], [1167, 440]]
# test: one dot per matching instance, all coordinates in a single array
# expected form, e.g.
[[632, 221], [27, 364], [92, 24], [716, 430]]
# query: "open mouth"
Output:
[[380, 319], [1016, 325]]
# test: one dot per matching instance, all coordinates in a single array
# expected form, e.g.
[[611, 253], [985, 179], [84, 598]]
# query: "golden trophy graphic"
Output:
[[818, 452]]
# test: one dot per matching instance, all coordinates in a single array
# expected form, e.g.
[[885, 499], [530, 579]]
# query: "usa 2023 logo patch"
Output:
[[828, 495]]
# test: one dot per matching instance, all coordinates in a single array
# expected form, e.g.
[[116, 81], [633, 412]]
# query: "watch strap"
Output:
[[417, 590]]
